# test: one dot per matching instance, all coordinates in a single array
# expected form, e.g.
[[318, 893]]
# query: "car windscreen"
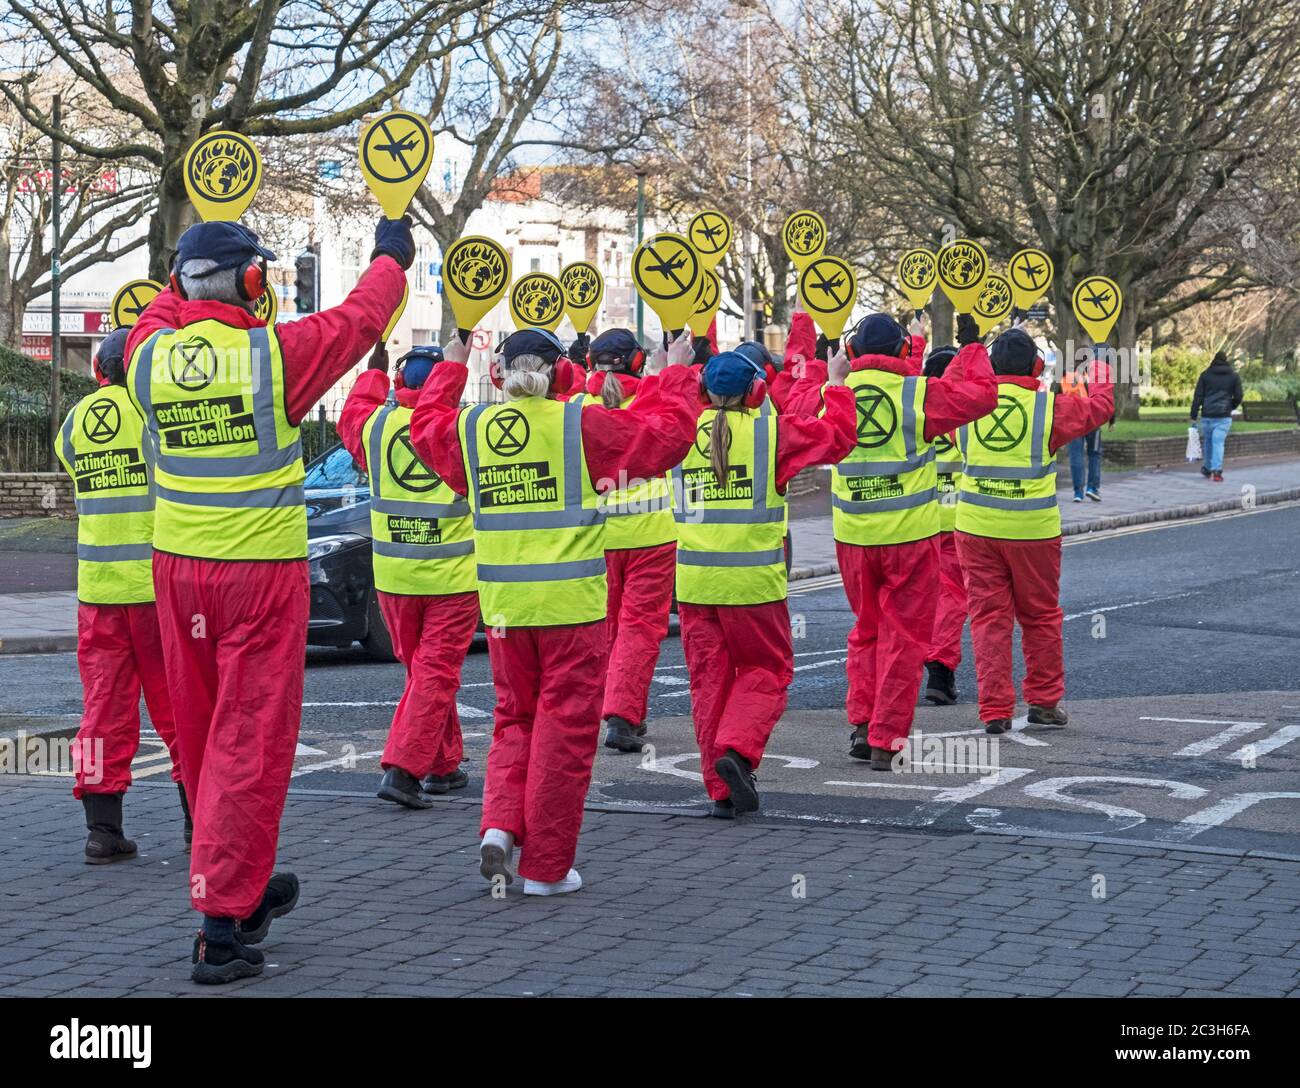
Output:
[[334, 469]]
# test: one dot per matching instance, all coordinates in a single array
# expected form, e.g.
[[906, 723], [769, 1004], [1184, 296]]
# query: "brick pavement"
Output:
[[392, 904]]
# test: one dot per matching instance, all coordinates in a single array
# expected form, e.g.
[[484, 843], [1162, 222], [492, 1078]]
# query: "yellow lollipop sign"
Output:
[[804, 237], [666, 272], [395, 154], [710, 234], [707, 300], [1030, 273], [1097, 301], [537, 302], [993, 303], [828, 288], [475, 275], [129, 302], [962, 266], [583, 288], [917, 273], [267, 307], [222, 172], [391, 327]]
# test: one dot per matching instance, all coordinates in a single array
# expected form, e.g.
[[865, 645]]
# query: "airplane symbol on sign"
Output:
[[1032, 271], [668, 268], [830, 286], [1099, 300]]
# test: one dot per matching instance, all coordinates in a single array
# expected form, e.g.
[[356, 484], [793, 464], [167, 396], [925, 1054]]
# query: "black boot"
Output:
[[442, 783], [221, 957], [1051, 716], [940, 684], [998, 725], [723, 810], [735, 770], [859, 745], [882, 759], [402, 788], [189, 821], [106, 843], [622, 735], [280, 897]]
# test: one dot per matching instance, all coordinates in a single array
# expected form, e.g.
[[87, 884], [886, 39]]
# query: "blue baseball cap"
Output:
[[613, 348], [417, 364], [228, 244], [729, 374], [113, 347], [541, 342], [877, 334]]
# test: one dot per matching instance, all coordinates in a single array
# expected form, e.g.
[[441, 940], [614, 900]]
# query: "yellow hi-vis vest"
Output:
[[640, 516], [229, 466], [1008, 485], [104, 448], [423, 535], [884, 491], [947, 467], [539, 532], [731, 534]]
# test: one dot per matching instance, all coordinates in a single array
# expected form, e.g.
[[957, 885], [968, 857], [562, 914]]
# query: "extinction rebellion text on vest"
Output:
[[701, 485], [515, 485], [110, 469], [205, 422]]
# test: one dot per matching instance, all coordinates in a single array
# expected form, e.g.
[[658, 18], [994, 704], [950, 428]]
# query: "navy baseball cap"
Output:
[[877, 334], [1013, 352], [417, 364], [612, 348], [113, 347], [541, 342], [756, 353], [729, 374], [228, 244]]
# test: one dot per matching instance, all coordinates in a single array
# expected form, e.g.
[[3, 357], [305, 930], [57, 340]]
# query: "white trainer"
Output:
[[496, 852], [570, 883]]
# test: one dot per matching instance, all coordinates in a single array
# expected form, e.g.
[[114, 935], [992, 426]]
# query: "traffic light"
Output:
[[307, 282]]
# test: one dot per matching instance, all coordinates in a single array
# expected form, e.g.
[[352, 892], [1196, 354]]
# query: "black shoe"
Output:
[[1205, 472], [735, 771], [189, 820], [443, 783], [1052, 716], [859, 746], [280, 897], [940, 684], [882, 759], [402, 788], [105, 843], [621, 735], [998, 725], [723, 810], [215, 963]]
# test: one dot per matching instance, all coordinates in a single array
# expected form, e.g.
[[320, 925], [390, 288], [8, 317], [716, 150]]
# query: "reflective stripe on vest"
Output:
[[947, 467], [539, 532], [422, 532], [731, 539], [640, 516], [1008, 484], [884, 491], [103, 446], [229, 464]]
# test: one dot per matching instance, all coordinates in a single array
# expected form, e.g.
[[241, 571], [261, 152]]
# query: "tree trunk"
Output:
[[941, 320], [11, 318], [173, 215]]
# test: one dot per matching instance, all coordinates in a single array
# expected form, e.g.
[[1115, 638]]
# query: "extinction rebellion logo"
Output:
[[520, 484]]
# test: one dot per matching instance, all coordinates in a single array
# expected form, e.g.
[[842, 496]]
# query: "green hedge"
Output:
[[23, 380]]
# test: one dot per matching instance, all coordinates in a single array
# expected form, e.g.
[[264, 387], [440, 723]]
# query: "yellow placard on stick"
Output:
[[475, 275], [1097, 301], [666, 271], [708, 297], [397, 314], [395, 154], [583, 288], [1030, 273], [129, 302], [993, 302], [962, 266], [917, 272], [222, 172], [828, 289], [710, 233], [267, 307], [804, 237], [537, 302]]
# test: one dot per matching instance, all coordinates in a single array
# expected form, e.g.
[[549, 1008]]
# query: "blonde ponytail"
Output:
[[720, 436], [611, 391]]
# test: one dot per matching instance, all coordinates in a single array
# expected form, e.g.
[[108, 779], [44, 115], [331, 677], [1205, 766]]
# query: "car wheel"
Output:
[[378, 643]]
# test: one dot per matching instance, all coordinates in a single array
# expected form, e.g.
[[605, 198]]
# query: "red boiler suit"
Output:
[[640, 597], [550, 680], [892, 587], [431, 633], [1019, 581], [237, 689], [740, 658], [950, 605]]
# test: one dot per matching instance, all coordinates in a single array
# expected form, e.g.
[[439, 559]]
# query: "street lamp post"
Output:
[[56, 246], [640, 237]]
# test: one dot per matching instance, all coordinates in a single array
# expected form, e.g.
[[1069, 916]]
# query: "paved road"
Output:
[[1180, 646]]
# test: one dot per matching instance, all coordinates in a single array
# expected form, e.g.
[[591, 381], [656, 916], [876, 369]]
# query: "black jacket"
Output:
[[1218, 391]]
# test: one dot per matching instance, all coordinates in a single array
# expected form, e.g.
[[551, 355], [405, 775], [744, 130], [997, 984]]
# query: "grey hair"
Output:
[[526, 376], [199, 281]]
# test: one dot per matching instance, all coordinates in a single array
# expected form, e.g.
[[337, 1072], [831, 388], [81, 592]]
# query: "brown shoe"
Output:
[[998, 725], [859, 746], [882, 759], [1053, 717]]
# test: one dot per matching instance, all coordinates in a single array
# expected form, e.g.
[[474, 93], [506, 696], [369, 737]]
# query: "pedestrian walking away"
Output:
[[1218, 394]]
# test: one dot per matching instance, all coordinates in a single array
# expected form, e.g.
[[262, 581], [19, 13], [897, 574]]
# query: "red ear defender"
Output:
[[252, 280], [562, 375], [756, 394], [637, 361], [175, 282], [496, 375]]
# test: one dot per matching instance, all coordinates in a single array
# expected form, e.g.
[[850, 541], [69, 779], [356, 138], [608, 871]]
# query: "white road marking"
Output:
[[463, 709], [1219, 813], [342, 761], [1126, 604], [1285, 735]]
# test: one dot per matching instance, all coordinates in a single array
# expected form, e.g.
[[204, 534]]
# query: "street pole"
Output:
[[640, 237], [749, 175], [56, 187]]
